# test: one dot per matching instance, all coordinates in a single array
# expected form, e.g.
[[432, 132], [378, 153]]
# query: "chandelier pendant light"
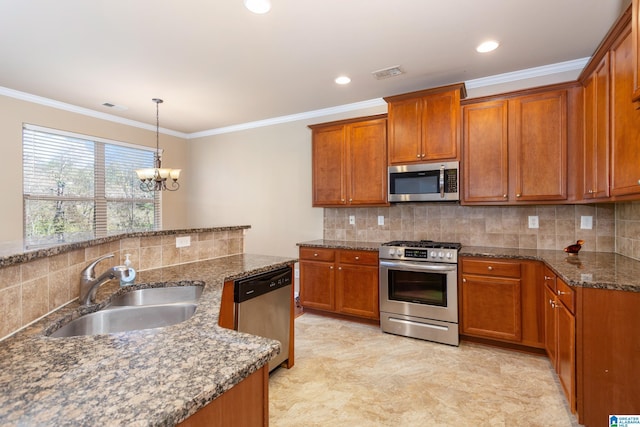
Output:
[[158, 178]]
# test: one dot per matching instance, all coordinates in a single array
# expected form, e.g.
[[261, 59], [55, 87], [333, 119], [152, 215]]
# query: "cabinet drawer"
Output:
[[359, 257], [317, 254], [566, 294], [550, 279], [491, 268]]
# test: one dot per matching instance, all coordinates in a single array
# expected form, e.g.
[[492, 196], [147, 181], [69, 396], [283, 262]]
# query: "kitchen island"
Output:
[[154, 377]]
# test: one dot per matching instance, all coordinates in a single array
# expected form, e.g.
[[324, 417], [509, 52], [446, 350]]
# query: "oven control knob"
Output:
[[449, 255], [392, 252], [433, 254], [440, 254]]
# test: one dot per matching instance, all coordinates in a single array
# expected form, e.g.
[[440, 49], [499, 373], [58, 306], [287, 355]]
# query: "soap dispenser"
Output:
[[128, 280]]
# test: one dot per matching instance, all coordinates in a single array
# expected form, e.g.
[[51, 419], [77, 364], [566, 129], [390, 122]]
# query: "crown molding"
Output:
[[545, 70], [529, 73], [23, 96]]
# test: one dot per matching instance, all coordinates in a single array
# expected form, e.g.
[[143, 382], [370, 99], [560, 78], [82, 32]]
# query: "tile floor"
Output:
[[351, 374]]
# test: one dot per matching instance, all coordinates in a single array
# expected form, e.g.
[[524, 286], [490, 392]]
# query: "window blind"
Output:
[[77, 187]]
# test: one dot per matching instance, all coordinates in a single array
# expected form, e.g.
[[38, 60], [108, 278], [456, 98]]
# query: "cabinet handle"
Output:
[[331, 267], [552, 304], [504, 196], [422, 155], [590, 191], [547, 278], [315, 254], [562, 293], [418, 156], [339, 268], [350, 200], [489, 268], [464, 280], [518, 195], [357, 258]]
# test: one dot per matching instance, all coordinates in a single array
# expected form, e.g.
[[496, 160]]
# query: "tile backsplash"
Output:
[[494, 226], [628, 229], [32, 289]]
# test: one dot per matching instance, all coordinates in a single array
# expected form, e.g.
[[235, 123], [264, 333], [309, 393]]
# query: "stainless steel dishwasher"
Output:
[[263, 308]]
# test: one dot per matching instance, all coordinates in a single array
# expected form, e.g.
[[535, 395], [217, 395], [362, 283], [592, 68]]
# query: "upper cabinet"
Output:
[[596, 132], [625, 120], [635, 25], [424, 126], [349, 162], [611, 153], [515, 148]]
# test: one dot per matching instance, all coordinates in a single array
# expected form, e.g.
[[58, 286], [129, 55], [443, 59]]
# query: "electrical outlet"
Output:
[[352, 220], [183, 242], [533, 221], [380, 220], [586, 222]]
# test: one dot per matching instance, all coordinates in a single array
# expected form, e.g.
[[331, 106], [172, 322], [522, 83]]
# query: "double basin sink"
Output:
[[139, 309]]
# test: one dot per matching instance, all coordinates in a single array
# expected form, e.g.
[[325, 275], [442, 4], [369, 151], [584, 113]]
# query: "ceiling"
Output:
[[216, 64]]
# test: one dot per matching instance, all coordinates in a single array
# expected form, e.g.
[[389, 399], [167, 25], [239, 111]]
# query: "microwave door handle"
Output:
[[442, 182]]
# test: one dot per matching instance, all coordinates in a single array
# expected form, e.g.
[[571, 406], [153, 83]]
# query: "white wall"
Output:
[[260, 177]]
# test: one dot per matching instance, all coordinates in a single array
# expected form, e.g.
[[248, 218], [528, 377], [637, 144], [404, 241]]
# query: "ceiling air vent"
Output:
[[387, 72], [114, 106]]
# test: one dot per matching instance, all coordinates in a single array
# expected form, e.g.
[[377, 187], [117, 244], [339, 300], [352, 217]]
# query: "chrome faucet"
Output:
[[89, 284]]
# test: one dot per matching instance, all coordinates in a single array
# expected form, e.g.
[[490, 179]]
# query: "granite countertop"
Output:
[[587, 269], [17, 252], [155, 377], [341, 244], [601, 270]]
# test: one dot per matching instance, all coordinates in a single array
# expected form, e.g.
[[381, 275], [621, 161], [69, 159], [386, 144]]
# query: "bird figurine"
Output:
[[574, 249]]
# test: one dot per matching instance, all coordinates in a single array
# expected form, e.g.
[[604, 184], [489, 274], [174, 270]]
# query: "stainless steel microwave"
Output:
[[425, 182]]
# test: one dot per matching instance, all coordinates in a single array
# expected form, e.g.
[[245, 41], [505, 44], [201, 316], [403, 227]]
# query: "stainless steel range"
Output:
[[418, 290]]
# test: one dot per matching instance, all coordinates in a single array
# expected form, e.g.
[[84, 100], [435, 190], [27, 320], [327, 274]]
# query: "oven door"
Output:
[[419, 289]]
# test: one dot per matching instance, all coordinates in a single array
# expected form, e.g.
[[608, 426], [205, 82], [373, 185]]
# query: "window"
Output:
[[77, 187]]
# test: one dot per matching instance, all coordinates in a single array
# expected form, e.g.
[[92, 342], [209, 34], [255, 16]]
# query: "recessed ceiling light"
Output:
[[343, 80], [258, 6], [487, 46]]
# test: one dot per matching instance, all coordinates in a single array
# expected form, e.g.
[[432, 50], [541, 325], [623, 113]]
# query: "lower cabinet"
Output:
[[244, 405], [499, 300], [340, 281], [560, 327]]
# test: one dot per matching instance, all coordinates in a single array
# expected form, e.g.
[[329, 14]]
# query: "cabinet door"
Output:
[[596, 132], [328, 166], [367, 162], [635, 24], [566, 352], [317, 285], [625, 121], [485, 153], [440, 122], [357, 291], [538, 135], [491, 307], [405, 131], [550, 336]]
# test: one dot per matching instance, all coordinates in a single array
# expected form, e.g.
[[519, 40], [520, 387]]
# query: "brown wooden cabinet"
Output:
[[625, 120], [608, 349], [350, 162], [635, 25], [515, 148], [500, 300], [560, 327], [596, 132], [485, 152], [340, 281], [244, 405], [424, 126]]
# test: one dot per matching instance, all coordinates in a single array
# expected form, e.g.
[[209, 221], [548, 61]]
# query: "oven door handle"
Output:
[[418, 266]]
